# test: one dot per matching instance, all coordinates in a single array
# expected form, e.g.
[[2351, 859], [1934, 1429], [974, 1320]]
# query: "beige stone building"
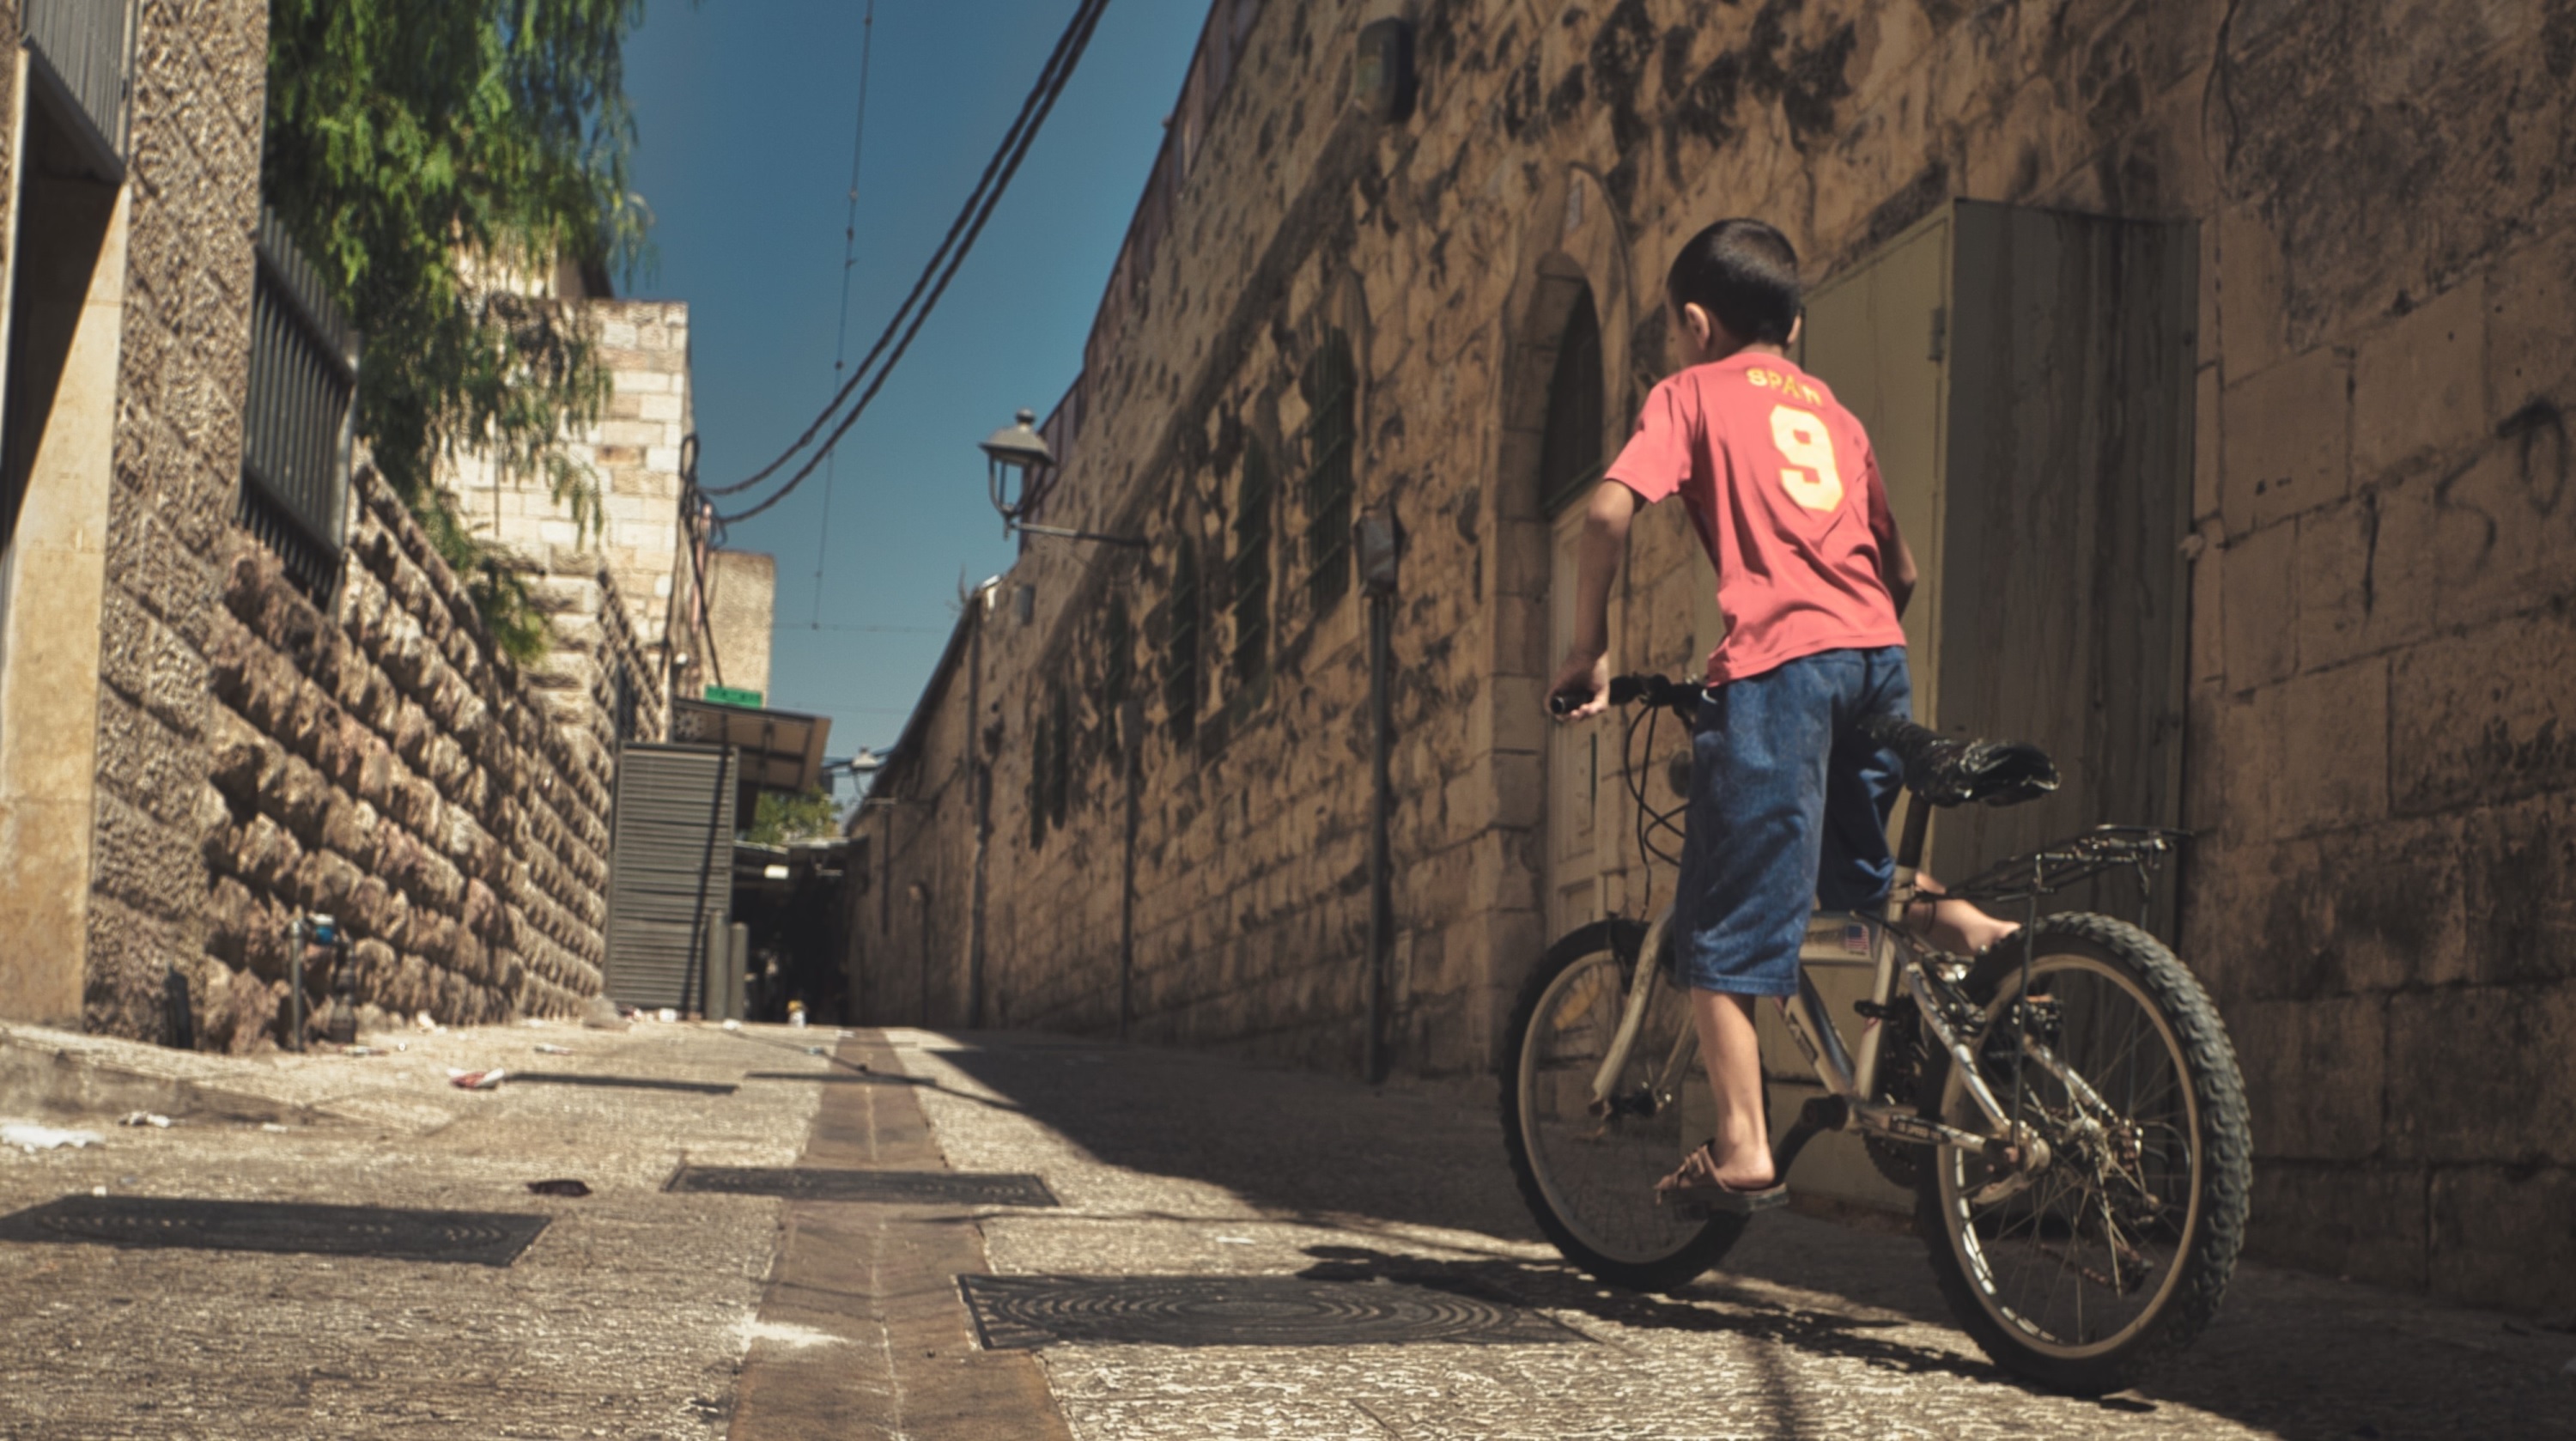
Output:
[[611, 586], [2216, 359], [236, 684]]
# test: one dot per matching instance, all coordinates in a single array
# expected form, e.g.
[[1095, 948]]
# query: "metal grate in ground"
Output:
[[1023, 1312], [469, 1237], [894, 1188], [622, 1083]]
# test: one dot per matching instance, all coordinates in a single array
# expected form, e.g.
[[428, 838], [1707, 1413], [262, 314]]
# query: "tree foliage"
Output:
[[778, 818], [423, 152]]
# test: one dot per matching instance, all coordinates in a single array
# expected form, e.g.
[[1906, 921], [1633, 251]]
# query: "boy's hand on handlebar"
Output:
[[1581, 688]]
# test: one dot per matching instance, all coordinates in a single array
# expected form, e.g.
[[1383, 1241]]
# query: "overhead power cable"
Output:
[[849, 262], [943, 265]]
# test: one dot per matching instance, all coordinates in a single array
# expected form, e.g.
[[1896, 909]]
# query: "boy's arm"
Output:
[[1895, 561], [1586, 671], [1896, 568]]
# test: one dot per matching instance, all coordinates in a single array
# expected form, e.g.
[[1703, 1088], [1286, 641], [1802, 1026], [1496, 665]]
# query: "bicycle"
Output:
[[2066, 1107]]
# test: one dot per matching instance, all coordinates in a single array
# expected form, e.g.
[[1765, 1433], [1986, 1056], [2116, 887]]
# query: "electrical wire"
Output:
[[849, 262], [1086, 21], [944, 262]]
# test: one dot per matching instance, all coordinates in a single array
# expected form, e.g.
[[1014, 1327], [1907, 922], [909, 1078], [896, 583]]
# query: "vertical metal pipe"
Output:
[[295, 984], [1131, 727], [737, 962], [979, 783], [1381, 811]]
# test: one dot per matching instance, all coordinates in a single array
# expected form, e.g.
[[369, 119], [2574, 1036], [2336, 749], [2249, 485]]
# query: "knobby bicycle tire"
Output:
[[1700, 1249], [2214, 1233]]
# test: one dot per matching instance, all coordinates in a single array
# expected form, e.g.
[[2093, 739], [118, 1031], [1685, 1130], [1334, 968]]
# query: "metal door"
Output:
[[670, 871]]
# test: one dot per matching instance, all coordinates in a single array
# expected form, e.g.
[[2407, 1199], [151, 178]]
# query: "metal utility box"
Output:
[[2026, 379], [670, 873]]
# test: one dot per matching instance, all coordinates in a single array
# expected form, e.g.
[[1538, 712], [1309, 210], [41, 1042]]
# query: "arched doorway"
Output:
[[1573, 450]]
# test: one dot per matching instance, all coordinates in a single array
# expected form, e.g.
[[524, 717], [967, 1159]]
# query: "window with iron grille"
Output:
[[1330, 386], [1037, 806], [1571, 461], [1253, 505], [1181, 673], [297, 419], [1059, 793], [1118, 656], [86, 48]]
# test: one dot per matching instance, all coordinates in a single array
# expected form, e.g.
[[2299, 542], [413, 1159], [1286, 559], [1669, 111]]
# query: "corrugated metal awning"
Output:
[[781, 750]]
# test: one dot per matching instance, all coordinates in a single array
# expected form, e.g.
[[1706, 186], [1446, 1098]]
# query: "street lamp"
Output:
[[1019, 447]]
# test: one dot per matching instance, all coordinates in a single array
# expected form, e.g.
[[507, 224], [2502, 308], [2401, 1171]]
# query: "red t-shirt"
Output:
[[1783, 490]]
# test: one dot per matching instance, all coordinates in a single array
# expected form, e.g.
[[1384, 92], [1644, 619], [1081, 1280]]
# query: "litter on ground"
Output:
[[31, 1138]]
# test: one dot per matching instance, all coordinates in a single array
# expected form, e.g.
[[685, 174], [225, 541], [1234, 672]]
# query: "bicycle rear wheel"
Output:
[[1589, 1179], [2119, 1249]]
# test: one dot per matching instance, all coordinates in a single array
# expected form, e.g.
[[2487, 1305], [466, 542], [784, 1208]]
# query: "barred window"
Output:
[[1330, 386], [1253, 504], [1181, 672], [1118, 661], [1037, 782], [1059, 781], [298, 417], [1570, 454]]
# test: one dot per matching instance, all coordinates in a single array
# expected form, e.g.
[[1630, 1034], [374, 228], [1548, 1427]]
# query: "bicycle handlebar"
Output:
[[1680, 697]]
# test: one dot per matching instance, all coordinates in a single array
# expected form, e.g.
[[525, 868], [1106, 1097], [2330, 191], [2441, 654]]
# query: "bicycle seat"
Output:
[[1947, 772]]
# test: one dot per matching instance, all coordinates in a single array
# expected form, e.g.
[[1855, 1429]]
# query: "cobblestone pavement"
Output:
[[637, 1311], [627, 1317], [1172, 1163]]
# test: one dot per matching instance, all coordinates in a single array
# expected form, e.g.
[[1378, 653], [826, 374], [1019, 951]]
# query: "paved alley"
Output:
[[1334, 1225]]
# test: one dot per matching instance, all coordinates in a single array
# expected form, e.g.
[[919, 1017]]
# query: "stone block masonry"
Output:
[[1160, 782], [382, 764]]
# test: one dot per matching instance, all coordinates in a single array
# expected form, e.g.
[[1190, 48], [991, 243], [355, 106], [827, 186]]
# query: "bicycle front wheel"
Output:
[[1588, 1170], [2117, 1248]]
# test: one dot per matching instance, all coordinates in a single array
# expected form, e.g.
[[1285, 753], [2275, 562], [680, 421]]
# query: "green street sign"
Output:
[[730, 695]]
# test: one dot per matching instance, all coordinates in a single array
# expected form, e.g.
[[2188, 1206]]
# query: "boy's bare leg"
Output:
[[1956, 927], [1733, 1058]]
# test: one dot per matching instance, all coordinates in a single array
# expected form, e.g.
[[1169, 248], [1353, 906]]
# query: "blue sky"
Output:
[[744, 110]]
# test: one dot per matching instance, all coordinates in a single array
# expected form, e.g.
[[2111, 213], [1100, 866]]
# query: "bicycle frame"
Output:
[[1848, 1080]]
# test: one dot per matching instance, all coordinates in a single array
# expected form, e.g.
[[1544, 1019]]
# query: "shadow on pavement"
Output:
[[1562, 1288], [2301, 1357], [1282, 1139]]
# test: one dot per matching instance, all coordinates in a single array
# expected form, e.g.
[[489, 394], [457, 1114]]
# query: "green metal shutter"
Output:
[[671, 870]]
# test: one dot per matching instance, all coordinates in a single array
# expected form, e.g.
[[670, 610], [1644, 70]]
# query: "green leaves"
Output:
[[441, 161], [778, 818]]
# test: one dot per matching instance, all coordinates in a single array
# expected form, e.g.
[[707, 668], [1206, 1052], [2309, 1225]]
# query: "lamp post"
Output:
[[1019, 447]]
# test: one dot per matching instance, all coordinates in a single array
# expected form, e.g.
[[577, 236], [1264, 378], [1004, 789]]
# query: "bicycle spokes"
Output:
[[2073, 1234]]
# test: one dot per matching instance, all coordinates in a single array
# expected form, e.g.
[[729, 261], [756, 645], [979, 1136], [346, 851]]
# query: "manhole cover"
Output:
[[896, 1188], [624, 1083], [1021, 1312], [471, 1237]]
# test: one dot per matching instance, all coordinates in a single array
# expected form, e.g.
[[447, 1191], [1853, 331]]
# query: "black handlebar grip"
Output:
[[1564, 702]]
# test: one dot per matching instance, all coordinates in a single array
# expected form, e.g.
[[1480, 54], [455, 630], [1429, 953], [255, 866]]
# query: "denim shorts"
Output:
[[1788, 810]]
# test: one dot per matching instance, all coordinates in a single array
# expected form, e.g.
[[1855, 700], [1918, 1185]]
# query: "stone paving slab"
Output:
[[628, 1316], [1170, 1162]]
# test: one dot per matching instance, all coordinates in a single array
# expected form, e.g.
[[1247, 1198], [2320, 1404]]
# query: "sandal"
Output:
[[1695, 1184]]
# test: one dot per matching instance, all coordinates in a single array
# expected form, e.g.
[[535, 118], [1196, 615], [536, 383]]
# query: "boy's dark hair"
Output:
[[1744, 273]]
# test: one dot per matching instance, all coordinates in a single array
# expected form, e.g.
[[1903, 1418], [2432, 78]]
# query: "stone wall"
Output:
[[2375, 754], [634, 456], [742, 607], [383, 765], [192, 192]]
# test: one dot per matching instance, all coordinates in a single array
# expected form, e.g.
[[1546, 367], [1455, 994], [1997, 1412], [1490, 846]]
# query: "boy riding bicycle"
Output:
[[1789, 802]]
